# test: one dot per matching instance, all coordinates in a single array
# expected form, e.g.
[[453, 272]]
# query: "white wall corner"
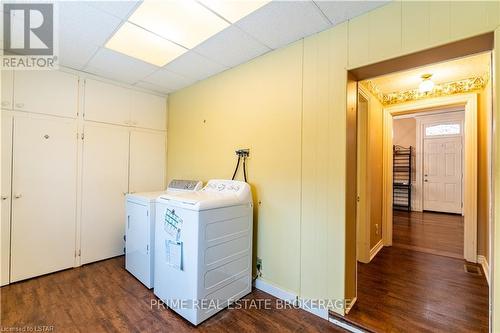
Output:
[[486, 267]]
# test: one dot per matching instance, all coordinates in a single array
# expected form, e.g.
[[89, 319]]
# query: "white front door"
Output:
[[443, 174]]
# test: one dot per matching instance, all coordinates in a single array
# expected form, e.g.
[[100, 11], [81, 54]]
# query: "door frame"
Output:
[[421, 121], [469, 102]]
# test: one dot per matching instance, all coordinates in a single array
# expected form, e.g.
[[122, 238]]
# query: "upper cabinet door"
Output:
[[107, 103], [148, 111], [7, 88], [47, 92]]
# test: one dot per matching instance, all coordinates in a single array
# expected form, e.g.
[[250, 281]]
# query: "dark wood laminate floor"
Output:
[[429, 232], [408, 291], [103, 297]]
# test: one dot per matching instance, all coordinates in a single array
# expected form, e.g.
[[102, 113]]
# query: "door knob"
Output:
[[17, 196]]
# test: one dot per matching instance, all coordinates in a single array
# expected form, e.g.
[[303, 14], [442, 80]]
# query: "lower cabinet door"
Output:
[[147, 161], [6, 198], [104, 186], [44, 179]]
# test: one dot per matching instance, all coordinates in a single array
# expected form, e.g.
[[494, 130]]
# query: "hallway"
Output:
[[408, 291], [429, 232]]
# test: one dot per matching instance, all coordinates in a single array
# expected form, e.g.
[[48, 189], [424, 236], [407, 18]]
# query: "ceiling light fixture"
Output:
[[185, 22], [138, 43], [427, 84], [233, 11]]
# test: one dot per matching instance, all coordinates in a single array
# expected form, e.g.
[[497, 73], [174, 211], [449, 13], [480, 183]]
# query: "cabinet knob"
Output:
[[5, 103], [5, 197], [124, 193], [18, 195], [19, 105]]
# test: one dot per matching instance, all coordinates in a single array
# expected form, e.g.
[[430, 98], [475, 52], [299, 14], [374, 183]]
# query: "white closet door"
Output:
[[147, 161], [107, 103], [7, 88], [47, 92], [148, 111], [44, 196], [105, 183], [6, 197]]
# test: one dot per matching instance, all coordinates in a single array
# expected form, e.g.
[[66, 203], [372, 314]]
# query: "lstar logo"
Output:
[[28, 36]]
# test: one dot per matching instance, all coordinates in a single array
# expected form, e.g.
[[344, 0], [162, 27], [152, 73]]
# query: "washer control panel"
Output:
[[224, 186], [184, 185]]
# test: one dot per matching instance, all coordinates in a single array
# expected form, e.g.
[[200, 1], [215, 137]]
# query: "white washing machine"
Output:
[[203, 248], [139, 229]]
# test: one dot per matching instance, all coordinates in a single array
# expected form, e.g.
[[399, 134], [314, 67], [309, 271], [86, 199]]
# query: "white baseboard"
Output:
[[275, 291], [486, 268], [345, 325], [286, 295], [376, 249]]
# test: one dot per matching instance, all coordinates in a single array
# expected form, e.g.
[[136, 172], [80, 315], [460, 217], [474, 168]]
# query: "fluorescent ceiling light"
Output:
[[184, 22], [141, 44], [234, 10]]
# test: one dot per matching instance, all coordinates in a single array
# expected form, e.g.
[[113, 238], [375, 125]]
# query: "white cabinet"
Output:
[[147, 161], [148, 111], [106, 103], [44, 196], [48, 92], [6, 197], [7, 88], [112, 104], [105, 183]]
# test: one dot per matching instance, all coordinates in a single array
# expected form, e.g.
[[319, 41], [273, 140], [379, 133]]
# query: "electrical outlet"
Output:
[[376, 229]]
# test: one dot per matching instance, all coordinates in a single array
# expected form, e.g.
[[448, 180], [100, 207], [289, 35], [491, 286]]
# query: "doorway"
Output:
[[397, 285]]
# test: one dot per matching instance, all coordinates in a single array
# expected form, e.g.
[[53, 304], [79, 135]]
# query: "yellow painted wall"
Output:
[[374, 168], [483, 149], [288, 107], [323, 164], [258, 106]]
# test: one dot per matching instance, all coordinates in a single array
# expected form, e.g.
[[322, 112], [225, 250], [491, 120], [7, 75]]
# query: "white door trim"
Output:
[[469, 101], [421, 121]]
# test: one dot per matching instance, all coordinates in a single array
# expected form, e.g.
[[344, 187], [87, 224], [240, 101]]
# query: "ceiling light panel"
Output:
[[184, 22], [144, 45], [234, 10]]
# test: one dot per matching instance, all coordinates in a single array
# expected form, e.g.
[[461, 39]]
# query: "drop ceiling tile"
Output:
[[194, 66], [117, 66], [282, 22], [121, 9], [75, 56], [231, 47], [152, 87], [340, 11], [81, 22], [168, 80]]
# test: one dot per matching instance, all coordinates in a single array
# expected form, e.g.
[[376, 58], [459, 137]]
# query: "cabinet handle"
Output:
[[17, 196], [5, 197], [19, 105]]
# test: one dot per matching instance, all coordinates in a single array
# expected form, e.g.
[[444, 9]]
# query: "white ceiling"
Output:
[[449, 71], [85, 26]]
